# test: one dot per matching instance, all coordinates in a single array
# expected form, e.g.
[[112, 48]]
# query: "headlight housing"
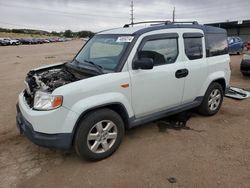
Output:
[[46, 101]]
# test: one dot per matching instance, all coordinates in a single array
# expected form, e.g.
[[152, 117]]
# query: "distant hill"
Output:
[[27, 31], [23, 35]]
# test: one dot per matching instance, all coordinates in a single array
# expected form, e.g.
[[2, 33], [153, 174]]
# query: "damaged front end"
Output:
[[48, 79]]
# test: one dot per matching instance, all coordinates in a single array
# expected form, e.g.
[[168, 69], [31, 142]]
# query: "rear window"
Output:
[[216, 44]]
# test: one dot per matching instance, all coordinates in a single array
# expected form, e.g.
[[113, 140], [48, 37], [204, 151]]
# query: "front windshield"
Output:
[[104, 50]]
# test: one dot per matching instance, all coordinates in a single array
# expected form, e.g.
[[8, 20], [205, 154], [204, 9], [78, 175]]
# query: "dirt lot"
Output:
[[215, 152]]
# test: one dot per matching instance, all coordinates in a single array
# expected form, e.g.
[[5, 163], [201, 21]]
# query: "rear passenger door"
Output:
[[194, 51]]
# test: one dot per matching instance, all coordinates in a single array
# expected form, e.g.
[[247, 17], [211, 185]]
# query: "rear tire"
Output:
[[212, 100], [99, 134]]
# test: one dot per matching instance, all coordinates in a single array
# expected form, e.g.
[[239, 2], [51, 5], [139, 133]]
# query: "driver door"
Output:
[[159, 88]]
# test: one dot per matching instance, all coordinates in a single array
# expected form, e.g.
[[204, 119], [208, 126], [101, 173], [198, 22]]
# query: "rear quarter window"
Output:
[[216, 44]]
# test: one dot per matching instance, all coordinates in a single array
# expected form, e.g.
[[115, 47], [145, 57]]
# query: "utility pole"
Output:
[[174, 14], [132, 13]]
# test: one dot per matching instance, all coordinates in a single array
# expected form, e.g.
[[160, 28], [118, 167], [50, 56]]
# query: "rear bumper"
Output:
[[59, 141], [246, 71]]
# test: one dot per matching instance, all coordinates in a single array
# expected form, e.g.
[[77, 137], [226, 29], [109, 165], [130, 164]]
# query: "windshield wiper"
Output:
[[98, 67]]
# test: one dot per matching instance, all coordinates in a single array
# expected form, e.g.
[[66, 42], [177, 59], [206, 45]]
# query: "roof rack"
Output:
[[166, 22], [136, 23], [186, 22]]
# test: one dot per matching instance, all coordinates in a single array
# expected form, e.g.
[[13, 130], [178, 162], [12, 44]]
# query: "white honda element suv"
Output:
[[123, 78]]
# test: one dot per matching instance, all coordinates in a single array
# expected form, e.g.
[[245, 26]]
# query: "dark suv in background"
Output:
[[245, 64]]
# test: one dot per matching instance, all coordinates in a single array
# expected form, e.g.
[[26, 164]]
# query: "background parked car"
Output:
[[235, 45], [25, 41], [52, 40], [12, 41], [8, 41], [45, 41], [3, 42], [37, 41], [61, 40], [247, 45], [245, 64]]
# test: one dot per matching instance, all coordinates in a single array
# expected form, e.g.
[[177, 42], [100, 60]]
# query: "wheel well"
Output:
[[222, 82], [117, 107], [120, 109]]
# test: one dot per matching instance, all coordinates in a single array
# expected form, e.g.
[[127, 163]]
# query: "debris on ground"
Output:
[[50, 57], [237, 93], [172, 180]]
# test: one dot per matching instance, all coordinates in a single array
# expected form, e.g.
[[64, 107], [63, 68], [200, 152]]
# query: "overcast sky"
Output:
[[96, 15]]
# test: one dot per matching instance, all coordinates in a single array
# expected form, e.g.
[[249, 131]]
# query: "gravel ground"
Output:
[[214, 152]]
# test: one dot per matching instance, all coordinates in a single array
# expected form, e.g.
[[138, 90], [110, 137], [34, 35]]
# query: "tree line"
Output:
[[67, 33]]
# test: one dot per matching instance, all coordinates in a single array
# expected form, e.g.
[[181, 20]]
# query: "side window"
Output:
[[239, 39], [193, 47], [162, 51], [216, 44]]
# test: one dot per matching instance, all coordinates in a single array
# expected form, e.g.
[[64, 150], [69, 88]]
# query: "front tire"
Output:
[[99, 134], [212, 100]]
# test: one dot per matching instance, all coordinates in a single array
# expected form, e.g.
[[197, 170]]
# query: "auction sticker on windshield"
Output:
[[125, 39]]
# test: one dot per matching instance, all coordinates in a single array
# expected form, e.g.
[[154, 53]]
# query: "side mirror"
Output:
[[143, 63]]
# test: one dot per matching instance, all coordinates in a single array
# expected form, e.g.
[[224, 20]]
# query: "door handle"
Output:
[[181, 73]]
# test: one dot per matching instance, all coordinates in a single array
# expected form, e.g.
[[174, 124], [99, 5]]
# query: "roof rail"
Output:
[[166, 22], [186, 22], [144, 22]]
